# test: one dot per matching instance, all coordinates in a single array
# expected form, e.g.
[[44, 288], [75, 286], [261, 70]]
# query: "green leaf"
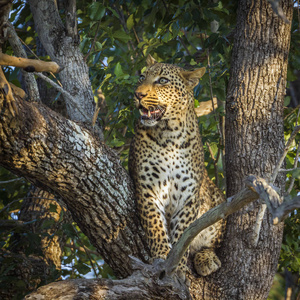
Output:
[[116, 143], [287, 100], [53, 208], [121, 35], [96, 11], [118, 70], [296, 173], [69, 230], [130, 22], [83, 268]]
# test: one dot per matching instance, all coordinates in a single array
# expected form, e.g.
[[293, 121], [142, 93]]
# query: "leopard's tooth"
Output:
[[149, 113], [141, 111]]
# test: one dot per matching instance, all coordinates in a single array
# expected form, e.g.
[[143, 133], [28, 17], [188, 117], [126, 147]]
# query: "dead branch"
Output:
[[29, 65], [261, 213], [206, 107], [144, 283], [272, 199]]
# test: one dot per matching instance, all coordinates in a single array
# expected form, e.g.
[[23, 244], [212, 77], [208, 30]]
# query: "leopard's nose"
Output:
[[139, 95]]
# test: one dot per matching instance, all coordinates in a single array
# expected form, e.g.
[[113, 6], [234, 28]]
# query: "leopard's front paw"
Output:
[[206, 262]]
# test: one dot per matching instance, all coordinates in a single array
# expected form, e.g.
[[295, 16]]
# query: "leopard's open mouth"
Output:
[[153, 114]]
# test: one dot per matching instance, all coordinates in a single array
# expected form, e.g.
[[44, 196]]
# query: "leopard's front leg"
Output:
[[154, 224], [180, 220]]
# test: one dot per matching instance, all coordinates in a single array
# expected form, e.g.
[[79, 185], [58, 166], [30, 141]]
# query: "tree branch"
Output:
[[144, 284], [29, 65], [57, 154], [272, 199]]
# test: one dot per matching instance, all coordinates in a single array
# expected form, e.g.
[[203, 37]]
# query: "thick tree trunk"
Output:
[[254, 144]]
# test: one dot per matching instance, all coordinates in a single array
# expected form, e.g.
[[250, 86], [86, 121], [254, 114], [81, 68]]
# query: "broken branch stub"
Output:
[[29, 65]]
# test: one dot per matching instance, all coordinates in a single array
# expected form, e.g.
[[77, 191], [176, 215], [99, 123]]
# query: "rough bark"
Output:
[[58, 155], [64, 50], [254, 142]]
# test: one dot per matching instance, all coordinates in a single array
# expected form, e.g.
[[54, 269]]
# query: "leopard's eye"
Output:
[[142, 78], [163, 80]]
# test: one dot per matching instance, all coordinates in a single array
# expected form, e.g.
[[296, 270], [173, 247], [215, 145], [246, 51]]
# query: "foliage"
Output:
[[115, 38]]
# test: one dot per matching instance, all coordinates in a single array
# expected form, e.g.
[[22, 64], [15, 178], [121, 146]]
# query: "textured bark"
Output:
[[64, 50], [143, 284], [57, 154], [254, 142]]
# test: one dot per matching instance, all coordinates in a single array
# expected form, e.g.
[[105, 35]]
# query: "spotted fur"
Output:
[[167, 165]]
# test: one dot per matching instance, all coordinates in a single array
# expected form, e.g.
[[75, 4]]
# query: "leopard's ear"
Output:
[[150, 61], [192, 77]]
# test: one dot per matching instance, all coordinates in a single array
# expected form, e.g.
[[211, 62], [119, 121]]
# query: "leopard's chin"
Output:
[[151, 117]]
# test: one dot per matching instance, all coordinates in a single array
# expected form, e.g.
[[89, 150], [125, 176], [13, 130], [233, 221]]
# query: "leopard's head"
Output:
[[164, 91]]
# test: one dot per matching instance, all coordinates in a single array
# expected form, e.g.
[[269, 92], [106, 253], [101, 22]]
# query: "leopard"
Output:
[[166, 163]]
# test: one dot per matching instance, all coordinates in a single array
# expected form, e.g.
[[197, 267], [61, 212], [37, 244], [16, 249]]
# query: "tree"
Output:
[[68, 157]]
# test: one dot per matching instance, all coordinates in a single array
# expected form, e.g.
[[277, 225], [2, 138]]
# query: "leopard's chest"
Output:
[[168, 168]]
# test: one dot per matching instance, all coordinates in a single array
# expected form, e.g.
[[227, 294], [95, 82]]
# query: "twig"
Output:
[[64, 93], [295, 168], [184, 45], [290, 113], [289, 170], [93, 43], [11, 180], [80, 248], [286, 149], [86, 251]]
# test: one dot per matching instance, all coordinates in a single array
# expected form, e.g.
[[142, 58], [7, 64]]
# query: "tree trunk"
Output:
[[62, 46], [254, 144]]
